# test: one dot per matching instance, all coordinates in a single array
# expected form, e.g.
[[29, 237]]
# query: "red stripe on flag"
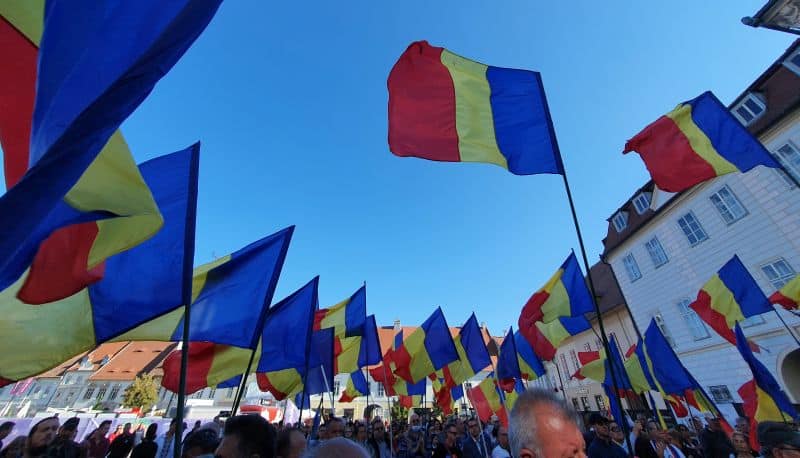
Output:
[[264, 384], [668, 155], [201, 356], [480, 403], [422, 106], [533, 308], [319, 315], [541, 346], [59, 267], [402, 363], [750, 407], [586, 357], [17, 92], [785, 302], [702, 306]]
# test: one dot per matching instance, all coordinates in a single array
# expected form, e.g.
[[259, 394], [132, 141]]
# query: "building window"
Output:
[[728, 205], [656, 252], [564, 366], [778, 273], [585, 403], [575, 359], [212, 393], [663, 328], [575, 404], [229, 394], [749, 109], [793, 62], [380, 390], [642, 202], [336, 385], [115, 392], [752, 321], [89, 392], [601, 403], [692, 229], [101, 393], [693, 321], [632, 267], [720, 393], [620, 221], [789, 157]]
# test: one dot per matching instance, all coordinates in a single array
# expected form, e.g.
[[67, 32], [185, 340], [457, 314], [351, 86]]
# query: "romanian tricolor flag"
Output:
[[286, 342], [473, 357], [565, 294], [764, 399], [545, 338], [143, 282], [508, 363], [347, 320], [731, 296], [530, 366], [86, 207], [698, 140], [356, 386], [429, 348], [789, 295], [384, 373], [487, 400], [210, 366], [444, 107]]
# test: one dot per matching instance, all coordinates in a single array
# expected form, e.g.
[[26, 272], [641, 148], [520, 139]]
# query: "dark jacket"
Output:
[[146, 449], [121, 446], [65, 448], [602, 449], [471, 449], [643, 447], [715, 444], [442, 452]]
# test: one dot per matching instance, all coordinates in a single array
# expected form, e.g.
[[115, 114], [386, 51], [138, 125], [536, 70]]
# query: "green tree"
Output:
[[399, 413], [142, 393]]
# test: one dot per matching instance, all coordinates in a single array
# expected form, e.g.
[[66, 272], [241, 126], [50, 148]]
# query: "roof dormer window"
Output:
[[750, 108], [793, 62], [620, 221], [642, 202]]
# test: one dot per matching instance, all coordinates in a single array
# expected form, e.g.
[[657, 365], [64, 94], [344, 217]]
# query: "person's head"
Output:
[[714, 423], [501, 433], [674, 437], [742, 425], [247, 436], [15, 448], [322, 432], [542, 426], [126, 429], [41, 435], [200, 442], [360, 432], [413, 419], [337, 447], [697, 424], [653, 430], [600, 425], [119, 429], [335, 427], [69, 429], [5, 429], [102, 430], [348, 431], [473, 427], [740, 441], [377, 430], [197, 424], [450, 435], [460, 426], [778, 440], [683, 430], [616, 433], [172, 425], [291, 443], [152, 432]]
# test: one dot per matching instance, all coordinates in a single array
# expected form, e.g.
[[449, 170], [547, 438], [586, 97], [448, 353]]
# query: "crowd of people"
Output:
[[540, 426]]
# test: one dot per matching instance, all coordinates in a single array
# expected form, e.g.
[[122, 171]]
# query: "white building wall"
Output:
[[769, 231]]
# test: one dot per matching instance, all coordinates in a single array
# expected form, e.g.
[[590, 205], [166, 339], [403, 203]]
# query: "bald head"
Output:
[[337, 448], [541, 425]]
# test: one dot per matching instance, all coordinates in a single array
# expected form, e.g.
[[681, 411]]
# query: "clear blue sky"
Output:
[[289, 101]]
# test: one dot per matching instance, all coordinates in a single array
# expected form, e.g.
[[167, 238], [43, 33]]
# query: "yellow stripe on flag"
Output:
[[557, 305], [682, 116], [722, 301], [474, 121], [421, 364], [26, 16]]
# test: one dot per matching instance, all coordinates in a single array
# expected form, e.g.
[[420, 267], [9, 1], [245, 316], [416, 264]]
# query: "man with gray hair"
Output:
[[542, 426], [338, 447]]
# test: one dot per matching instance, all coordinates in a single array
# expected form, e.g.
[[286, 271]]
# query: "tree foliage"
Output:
[[142, 393]]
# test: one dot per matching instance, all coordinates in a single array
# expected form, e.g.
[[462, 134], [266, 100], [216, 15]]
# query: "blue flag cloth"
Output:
[[507, 362], [320, 365], [370, 351]]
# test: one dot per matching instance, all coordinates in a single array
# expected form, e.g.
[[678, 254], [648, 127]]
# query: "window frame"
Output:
[[691, 215], [781, 279], [726, 204], [646, 197], [788, 167], [629, 260], [691, 319], [654, 249], [615, 220], [758, 100], [791, 65]]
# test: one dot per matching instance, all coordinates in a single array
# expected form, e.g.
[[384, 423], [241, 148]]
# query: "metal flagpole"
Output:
[[389, 405], [592, 289], [328, 388], [791, 333], [186, 293], [560, 382]]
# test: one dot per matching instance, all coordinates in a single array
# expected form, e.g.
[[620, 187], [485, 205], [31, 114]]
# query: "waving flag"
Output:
[[530, 365], [763, 396], [697, 141], [444, 107], [487, 400], [286, 342], [473, 357], [410, 402], [545, 338], [144, 281], [228, 296], [356, 386], [429, 348], [384, 373], [210, 366], [92, 73], [508, 363], [732, 295], [347, 319], [564, 295], [369, 346], [789, 295]]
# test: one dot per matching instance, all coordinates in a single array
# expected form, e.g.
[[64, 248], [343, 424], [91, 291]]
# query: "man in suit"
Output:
[[474, 445]]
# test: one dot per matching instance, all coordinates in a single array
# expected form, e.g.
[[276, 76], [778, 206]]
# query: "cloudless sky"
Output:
[[289, 102]]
